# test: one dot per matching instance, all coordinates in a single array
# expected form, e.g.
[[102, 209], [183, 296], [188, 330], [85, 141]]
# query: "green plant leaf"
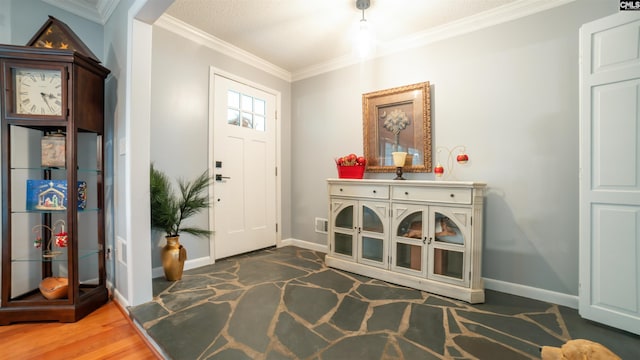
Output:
[[169, 210]]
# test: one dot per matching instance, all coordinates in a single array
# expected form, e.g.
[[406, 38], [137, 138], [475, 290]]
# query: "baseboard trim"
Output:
[[189, 264], [490, 284], [304, 244], [121, 300], [206, 260], [532, 292]]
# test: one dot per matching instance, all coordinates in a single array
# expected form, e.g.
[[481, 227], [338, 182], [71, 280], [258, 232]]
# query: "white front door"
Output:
[[244, 162], [610, 171]]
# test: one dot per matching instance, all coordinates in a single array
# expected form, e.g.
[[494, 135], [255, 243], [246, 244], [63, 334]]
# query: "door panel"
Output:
[[610, 171], [343, 215], [244, 148], [409, 239], [449, 259], [614, 121], [372, 233], [614, 249]]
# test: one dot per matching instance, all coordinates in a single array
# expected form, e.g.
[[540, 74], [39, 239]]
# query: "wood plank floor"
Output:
[[107, 333]]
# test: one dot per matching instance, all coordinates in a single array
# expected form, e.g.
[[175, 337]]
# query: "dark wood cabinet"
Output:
[[53, 223]]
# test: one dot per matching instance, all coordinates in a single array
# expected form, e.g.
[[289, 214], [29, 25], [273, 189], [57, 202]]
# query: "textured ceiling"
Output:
[[298, 34]]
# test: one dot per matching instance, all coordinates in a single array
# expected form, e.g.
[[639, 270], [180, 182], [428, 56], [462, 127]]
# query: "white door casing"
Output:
[[244, 156], [610, 171]]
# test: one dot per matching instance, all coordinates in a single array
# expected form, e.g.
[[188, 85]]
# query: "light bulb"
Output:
[[364, 40]]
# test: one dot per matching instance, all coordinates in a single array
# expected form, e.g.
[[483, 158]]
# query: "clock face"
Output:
[[38, 92]]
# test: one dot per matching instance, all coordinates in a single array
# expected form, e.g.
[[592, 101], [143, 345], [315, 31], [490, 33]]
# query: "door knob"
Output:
[[219, 177]]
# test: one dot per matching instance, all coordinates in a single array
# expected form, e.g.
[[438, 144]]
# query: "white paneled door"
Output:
[[244, 163], [610, 171]]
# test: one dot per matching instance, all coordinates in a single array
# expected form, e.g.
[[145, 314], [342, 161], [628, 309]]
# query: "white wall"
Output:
[[129, 40], [509, 93]]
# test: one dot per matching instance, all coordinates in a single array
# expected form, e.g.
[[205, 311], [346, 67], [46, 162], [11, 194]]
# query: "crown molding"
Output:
[[97, 11], [103, 8], [499, 15], [196, 35]]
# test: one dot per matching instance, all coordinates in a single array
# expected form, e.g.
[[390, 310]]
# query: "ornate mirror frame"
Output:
[[398, 119]]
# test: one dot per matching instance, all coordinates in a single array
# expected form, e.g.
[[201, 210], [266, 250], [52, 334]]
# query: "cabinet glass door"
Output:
[[373, 246], [343, 234], [448, 252], [89, 229], [409, 239], [37, 230]]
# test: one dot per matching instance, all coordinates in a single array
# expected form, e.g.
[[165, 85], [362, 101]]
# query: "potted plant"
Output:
[[168, 211]]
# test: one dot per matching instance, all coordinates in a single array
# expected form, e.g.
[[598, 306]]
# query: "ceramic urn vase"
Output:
[[173, 257]]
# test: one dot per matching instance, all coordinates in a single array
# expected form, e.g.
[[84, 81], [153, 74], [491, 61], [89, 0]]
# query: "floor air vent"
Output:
[[322, 225]]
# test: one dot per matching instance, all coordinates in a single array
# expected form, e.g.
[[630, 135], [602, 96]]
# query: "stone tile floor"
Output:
[[286, 304]]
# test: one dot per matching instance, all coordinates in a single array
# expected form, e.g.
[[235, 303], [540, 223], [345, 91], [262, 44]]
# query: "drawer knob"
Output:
[[340, 189], [452, 195], [406, 193], [375, 191]]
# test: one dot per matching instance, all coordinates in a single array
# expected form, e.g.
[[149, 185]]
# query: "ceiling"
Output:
[[299, 35]]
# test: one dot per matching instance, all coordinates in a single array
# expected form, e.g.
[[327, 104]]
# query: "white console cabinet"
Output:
[[421, 234]]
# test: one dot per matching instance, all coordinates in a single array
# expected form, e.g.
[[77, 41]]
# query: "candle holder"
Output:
[[460, 158], [399, 158]]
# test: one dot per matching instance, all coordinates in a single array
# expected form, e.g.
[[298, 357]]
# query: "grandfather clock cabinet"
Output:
[[53, 237]]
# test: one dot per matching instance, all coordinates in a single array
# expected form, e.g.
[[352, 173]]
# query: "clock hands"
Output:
[[44, 97]]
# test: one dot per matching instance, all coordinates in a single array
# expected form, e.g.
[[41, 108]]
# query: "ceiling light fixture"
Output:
[[364, 42]]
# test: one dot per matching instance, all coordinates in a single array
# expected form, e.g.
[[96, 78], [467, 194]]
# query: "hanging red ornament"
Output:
[[462, 158], [439, 170], [62, 239]]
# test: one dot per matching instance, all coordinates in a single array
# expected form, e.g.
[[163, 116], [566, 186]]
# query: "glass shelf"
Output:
[[52, 211], [62, 257], [57, 169]]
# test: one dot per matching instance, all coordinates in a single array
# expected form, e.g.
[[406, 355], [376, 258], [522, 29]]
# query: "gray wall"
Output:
[[179, 120], [25, 17], [509, 93], [115, 45]]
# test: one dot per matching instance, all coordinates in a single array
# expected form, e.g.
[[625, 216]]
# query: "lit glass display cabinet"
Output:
[[53, 237]]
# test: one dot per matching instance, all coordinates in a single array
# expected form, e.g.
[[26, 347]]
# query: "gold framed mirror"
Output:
[[398, 119]]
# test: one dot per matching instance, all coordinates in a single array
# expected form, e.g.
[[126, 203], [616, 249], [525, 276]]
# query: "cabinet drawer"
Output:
[[365, 191], [432, 194]]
